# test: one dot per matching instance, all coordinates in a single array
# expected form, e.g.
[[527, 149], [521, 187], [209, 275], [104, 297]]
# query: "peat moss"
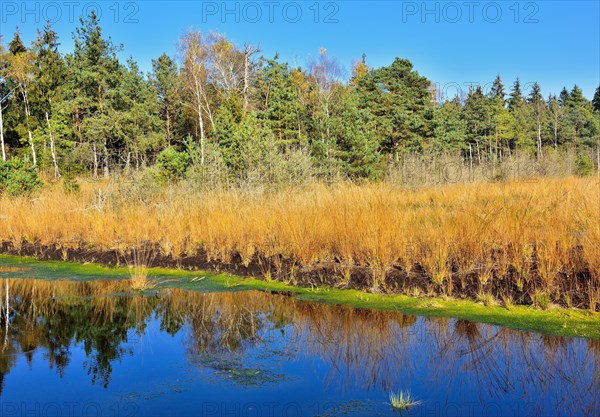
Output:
[[558, 321]]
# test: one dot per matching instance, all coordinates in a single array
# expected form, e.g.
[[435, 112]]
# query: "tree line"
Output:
[[221, 106]]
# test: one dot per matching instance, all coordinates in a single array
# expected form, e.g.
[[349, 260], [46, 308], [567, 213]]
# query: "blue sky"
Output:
[[453, 43]]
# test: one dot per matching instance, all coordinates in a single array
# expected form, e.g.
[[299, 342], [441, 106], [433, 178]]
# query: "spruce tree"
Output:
[[516, 97], [563, 98], [596, 99], [497, 90], [476, 118], [164, 79], [499, 118], [50, 69], [16, 45]]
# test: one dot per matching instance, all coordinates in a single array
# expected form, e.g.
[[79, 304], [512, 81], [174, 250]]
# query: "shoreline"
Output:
[[393, 281], [557, 321]]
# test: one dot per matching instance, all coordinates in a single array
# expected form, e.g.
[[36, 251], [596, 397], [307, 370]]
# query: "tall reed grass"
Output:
[[508, 239]]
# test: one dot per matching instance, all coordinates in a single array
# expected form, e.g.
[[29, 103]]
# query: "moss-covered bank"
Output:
[[555, 321]]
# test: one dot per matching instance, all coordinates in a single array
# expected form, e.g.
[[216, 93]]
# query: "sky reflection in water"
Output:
[[91, 348]]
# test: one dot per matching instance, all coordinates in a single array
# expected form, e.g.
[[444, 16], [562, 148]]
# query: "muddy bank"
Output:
[[579, 291]]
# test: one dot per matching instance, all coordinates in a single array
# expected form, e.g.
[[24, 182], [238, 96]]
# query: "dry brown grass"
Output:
[[544, 234]]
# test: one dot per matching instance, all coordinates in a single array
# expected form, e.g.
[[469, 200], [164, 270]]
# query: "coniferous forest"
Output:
[[227, 114]]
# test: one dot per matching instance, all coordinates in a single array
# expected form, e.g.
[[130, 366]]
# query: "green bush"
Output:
[[172, 165], [583, 165], [70, 185], [18, 177]]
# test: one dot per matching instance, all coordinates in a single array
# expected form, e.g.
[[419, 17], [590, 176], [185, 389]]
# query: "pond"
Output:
[[95, 348]]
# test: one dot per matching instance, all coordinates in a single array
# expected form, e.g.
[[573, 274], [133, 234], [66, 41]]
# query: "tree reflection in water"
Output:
[[369, 349]]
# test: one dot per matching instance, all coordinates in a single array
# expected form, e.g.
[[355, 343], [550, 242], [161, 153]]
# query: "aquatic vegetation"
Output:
[[139, 261], [402, 400], [140, 282]]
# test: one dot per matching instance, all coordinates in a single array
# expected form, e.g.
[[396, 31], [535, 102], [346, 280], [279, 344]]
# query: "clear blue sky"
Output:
[[555, 43]]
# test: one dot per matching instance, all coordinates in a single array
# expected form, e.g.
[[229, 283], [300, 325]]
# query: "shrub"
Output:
[[18, 177], [541, 299], [172, 165], [70, 185], [583, 165]]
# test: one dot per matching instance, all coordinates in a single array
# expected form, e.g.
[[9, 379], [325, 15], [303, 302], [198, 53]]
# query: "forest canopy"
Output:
[[223, 108]]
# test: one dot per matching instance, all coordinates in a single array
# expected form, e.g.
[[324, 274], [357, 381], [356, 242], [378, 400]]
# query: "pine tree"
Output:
[[576, 98], [449, 127], [278, 101], [402, 105], [226, 126], [94, 75], [50, 69], [356, 145], [135, 114], [581, 121]]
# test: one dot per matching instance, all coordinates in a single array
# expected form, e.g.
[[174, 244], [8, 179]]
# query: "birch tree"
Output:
[[194, 51], [325, 74], [3, 96], [20, 71]]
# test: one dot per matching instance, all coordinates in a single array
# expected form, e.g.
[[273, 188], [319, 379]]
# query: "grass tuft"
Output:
[[402, 400], [139, 262]]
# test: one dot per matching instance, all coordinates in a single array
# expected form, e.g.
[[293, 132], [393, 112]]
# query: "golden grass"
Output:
[[545, 234]]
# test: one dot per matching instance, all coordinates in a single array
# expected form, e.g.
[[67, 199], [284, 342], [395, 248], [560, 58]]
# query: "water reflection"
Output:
[[241, 337]]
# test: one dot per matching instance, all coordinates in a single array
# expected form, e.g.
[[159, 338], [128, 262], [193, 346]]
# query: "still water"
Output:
[[96, 349]]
